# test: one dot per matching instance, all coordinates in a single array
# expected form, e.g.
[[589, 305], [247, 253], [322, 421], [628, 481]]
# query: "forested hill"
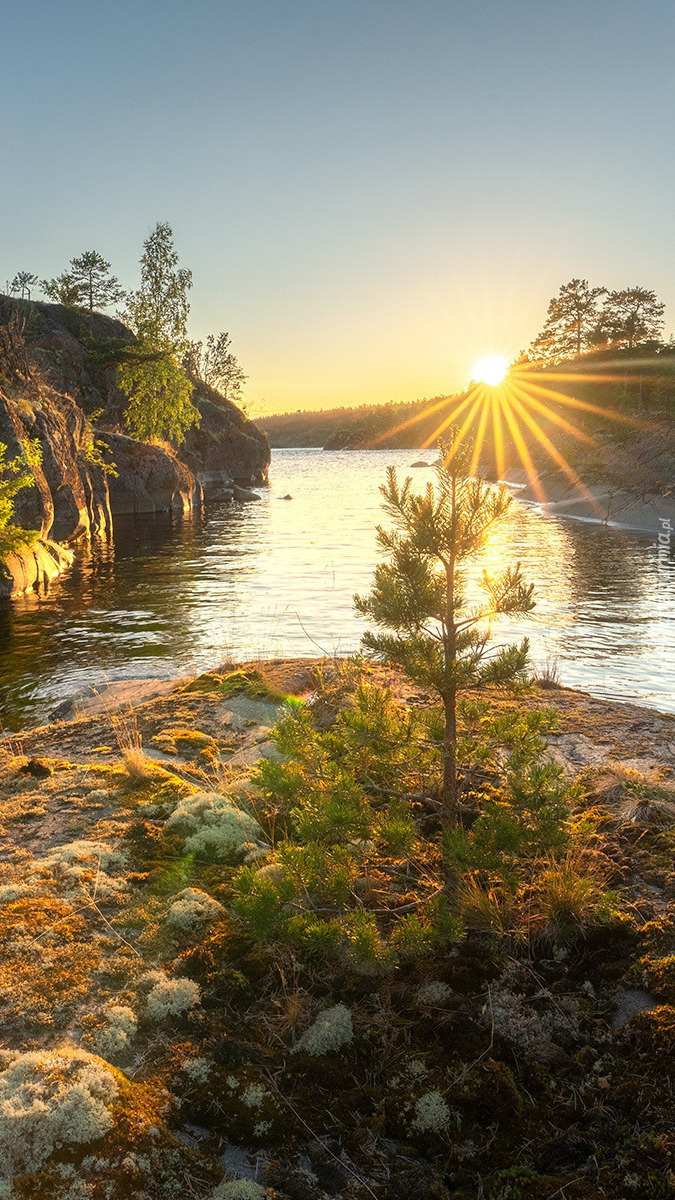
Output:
[[636, 383]]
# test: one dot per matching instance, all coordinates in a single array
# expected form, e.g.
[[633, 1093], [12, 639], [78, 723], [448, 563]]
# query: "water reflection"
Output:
[[179, 594]]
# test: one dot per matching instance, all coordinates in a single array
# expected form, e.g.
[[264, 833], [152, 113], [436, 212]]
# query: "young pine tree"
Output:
[[97, 287], [435, 634]]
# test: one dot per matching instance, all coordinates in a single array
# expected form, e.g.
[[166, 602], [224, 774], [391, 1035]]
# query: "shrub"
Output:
[[13, 478], [332, 1030], [49, 1099]]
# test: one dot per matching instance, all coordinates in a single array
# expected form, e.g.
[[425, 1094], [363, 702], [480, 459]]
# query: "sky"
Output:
[[371, 194]]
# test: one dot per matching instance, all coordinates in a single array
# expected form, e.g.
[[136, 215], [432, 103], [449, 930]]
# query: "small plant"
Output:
[[138, 766], [568, 897], [548, 674]]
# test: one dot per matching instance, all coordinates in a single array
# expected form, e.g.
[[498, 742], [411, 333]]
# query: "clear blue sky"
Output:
[[370, 193]]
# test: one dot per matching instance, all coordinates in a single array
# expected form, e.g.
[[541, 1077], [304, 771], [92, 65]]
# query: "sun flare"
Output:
[[491, 369]]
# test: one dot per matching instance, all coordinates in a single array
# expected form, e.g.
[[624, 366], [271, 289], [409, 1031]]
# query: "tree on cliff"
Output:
[[160, 396], [22, 283], [86, 284], [91, 275], [630, 317], [571, 322], [13, 477], [215, 365], [62, 290], [437, 636]]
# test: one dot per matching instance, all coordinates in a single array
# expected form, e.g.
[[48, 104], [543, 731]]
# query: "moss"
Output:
[[432, 1114], [192, 909], [212, 825], [240, 1189], [247, 683]]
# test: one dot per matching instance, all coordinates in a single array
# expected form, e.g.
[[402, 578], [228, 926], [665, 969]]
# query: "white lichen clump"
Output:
[[50, 1099], [114, 1039], [516, 1020], [212, 825], [171, 998], [13, 891], [197, 1070], [82, 865], [434, 993], [240, 1189], [332, 1030], [192, 908], [432, 1114]]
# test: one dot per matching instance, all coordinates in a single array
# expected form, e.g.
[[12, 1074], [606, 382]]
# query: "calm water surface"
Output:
[[176, 595]]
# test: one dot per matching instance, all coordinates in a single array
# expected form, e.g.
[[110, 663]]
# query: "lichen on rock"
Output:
[[212, 825], [50, 1099]]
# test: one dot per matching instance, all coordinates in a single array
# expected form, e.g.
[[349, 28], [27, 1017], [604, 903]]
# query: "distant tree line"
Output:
[[158, 370], [582, 318]]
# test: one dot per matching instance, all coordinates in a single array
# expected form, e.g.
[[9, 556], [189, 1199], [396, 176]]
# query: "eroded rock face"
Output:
[[33, 567], [149, 479], [225, 447], [69, 498]]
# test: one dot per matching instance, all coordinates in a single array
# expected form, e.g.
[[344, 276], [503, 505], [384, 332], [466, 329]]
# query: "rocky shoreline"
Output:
[[67, 411], [227, 1058]]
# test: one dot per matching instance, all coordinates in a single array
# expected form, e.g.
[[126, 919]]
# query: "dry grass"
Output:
[[138, 766]]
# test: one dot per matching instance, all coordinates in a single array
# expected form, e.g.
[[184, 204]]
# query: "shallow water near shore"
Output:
[[176, 595]]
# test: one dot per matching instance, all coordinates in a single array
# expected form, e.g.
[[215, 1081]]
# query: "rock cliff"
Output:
[[58, 394]]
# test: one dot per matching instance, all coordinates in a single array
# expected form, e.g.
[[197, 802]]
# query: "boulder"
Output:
[[149, 479], [243, 494], [225, 447]]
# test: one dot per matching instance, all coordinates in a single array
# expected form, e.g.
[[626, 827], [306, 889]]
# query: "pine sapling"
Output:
[[419, 599]]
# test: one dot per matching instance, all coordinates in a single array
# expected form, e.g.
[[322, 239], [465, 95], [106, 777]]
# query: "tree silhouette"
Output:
[[630, 317], [571, 322], [21, 284]]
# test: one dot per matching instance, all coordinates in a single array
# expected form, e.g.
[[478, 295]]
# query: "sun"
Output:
[[490, 369]]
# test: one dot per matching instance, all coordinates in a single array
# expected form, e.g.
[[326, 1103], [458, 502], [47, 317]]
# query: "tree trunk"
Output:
[[449, 794]]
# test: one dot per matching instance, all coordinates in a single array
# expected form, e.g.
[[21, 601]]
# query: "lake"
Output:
[[176, 595]]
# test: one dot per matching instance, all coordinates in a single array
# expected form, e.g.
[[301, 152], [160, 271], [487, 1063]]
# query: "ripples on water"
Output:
[[176, 595]]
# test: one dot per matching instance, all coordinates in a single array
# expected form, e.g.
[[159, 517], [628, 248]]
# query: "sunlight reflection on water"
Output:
[[277, 578]]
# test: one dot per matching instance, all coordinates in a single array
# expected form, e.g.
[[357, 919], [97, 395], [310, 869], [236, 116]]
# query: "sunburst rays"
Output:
[[521, 419]]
